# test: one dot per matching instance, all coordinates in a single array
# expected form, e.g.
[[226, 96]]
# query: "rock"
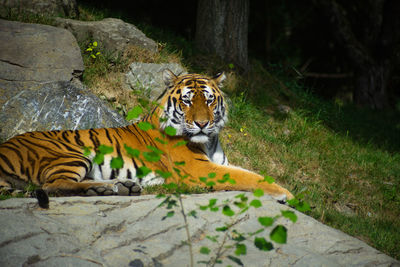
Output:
[[52, 106], [130, 231], [112, 34], [34, 53], [65, 8], [147, 77]]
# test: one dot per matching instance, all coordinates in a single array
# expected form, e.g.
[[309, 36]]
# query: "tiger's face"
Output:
[[194, 105]]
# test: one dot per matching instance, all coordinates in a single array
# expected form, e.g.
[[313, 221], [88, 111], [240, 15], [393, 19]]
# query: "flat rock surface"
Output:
[[112, 34], [34, 53], [129, 231]]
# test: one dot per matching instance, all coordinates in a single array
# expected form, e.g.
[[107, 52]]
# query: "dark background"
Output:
[[293, 34]]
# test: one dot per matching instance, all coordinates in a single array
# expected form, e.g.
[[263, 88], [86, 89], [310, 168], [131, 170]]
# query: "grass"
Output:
[[350, 177], [345, 160]]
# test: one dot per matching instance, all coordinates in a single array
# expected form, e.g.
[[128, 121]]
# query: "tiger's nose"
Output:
[[201, 124]]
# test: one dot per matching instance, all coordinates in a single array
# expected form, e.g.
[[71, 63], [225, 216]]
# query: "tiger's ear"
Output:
[[168, 77], [219, 78]]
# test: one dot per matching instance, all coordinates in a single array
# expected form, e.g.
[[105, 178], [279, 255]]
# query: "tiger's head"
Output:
[[193, 105]]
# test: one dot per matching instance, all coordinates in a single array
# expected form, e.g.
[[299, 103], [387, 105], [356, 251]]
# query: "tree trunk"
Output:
[[372, 52], [371, 85], [222, 29]]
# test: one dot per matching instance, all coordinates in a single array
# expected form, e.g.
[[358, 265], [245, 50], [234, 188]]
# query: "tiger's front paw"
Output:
[[126, 188], [100, 191]]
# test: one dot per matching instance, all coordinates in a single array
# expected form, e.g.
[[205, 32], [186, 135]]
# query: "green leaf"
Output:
[[212, 238], [169, 130], [161, 141], [235, 260], [117, 163], [203, 179], [87, 150], [214, 209], [89, 49], [279, 234], [263, 244], [227, 211], [258, 192], [212, 202], [170, 186], [93, 56], [132, 152], [266, 221], [145, 126], [290, 215], [151, 156], [142, 171], [205, 250], [241, 249], [212, 175], [193, 213], [179, 163], [268, 179], [156, 150], [180, 143], [134, 113], [163, 174], [231, 181], [95, 44], [99, 158], [255, 203], [224, 179], [105, 149], [221, 229], [210, 184], [299, 205], [169, 215]]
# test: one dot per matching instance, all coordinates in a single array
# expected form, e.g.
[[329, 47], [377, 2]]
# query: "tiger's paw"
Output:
[[99, 191], [127, 188]]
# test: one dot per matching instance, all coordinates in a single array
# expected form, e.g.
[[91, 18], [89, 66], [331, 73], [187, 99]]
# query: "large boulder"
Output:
[[34, 53], [63, 8], [131, 231], [114, 35], [147, 77], [52, 106]]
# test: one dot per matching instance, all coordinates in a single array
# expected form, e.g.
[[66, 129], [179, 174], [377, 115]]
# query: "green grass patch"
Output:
[[349, 173]]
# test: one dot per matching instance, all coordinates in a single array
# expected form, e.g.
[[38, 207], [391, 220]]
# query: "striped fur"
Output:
[[192, 104]]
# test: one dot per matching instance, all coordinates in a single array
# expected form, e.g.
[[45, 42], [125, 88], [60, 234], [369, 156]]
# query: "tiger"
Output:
[[58, 161]]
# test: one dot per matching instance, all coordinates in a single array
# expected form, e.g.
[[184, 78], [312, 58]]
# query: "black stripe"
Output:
[[65, 136], [45, 134], [6, 161], [108, 135], [93, 138], [112, 175], [78, 139], [66, 171], [15, 149], [202, 159], [128, 174]]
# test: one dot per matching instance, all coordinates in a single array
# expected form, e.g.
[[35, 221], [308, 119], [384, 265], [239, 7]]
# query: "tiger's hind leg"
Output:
[[67, 186]]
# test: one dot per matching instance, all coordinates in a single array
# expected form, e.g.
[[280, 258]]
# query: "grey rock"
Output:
[[49, 7], [52, 106], [112, 34], [129, 231], [34, 53], [147, 77]]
